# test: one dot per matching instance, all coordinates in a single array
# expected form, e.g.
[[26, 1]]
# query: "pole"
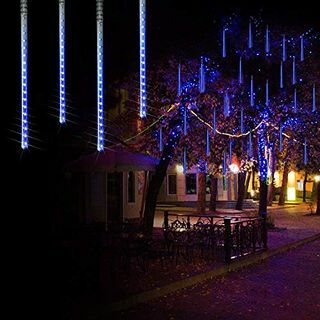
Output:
[[227, 239]]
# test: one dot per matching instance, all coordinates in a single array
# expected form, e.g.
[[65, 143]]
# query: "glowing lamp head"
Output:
[[317, 178], [179, 168], [252, 193], [234, 168]]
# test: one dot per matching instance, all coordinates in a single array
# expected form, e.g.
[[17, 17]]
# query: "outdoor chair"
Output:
[[201, 237], [179, 244]]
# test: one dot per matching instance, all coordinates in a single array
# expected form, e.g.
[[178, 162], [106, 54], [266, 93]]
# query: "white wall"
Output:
[[132, 209], [229, 194]]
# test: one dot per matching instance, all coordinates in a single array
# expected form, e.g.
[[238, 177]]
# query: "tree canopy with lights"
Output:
[[255, 101]]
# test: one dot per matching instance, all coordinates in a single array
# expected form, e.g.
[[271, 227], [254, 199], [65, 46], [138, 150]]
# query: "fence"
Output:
[[233, 236]]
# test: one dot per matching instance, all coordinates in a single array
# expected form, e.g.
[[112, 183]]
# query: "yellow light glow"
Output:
[[291, 193], [292, 179], [277, 179], [252, 193], [316, 178], [179, 168], [234, 168]]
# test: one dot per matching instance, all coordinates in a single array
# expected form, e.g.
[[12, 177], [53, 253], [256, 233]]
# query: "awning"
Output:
[[114, 161]]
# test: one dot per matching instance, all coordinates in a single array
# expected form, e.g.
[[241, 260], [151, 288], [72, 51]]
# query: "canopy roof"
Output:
[[114, 161]]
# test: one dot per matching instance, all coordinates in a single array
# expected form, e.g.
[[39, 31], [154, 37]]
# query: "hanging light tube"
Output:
[[100, 107], [143, 86], [24, 74], [62, 110]]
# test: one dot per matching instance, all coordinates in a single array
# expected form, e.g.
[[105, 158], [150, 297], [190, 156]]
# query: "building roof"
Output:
[[114, 161]]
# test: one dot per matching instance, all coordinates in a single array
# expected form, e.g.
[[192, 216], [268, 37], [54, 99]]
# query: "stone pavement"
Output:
[[285, 287], [293, 224]]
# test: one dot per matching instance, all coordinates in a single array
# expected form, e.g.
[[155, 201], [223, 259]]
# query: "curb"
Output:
[[193, 280]]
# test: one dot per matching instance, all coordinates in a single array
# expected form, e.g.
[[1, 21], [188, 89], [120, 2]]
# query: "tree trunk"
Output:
[[284, 185], [213, 193], [314, 193], [304, 196], [152, 195], [145, 188], [253, 180], [201, 203], [247, 184], [156, 182], [271, 185], [241, 189], [318, 201], [263, 201]]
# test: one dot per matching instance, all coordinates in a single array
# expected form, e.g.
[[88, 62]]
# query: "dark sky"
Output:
[[172, 26]]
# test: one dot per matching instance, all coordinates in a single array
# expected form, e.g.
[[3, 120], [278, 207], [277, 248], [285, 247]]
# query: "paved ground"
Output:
[[285, 287], [286, 282]]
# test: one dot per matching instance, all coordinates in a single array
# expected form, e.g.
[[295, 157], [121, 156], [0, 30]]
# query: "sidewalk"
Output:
[[127, 290], [282, 288]]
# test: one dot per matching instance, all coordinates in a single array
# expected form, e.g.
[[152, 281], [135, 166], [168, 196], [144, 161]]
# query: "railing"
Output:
[[235, 236], [244, 237], [190, 237]]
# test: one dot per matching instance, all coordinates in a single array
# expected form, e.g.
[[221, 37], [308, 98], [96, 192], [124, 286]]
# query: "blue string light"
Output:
[[295, 105], [100, 111], [251, 93], [250, 36], [301, 48], [160, 140], [267, 93], [226, 109], [24, 74], [241, 121], [267, 47], [207, 143], [262, 145], [284, 53], [62, 112], [240, 71], [281, 75], [230, 152], [224, 164], [294, 70], [185, 160], [143, 75], [280, 138], [202, 83], [305, 153], [224, 51], [179, 80]]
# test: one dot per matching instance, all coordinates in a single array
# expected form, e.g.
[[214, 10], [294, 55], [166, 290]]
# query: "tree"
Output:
[[213, 103]]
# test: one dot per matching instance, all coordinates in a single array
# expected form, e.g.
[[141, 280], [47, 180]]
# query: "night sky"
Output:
[[172, 27]]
